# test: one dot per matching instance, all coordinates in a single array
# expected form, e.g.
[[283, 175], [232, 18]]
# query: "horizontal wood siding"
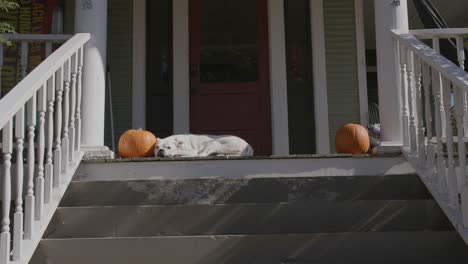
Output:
[[119, 59], [341, 57]]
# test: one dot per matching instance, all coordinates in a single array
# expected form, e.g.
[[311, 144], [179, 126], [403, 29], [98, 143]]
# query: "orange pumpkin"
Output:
[[352, 139], [137, 144]]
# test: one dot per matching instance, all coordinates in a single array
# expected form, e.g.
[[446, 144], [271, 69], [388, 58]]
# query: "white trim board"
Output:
[[361, 60], [139, 65], [322, 129], [278, 78]]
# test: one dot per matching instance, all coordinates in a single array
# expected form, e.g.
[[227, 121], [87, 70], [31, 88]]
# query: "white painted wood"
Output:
[[322, 128], [1, 66], [389, 16], [66, 115], [419, 112], [54, 38], [411, 91], [361, 60], [452, 185], [41, 108], [92, 18], [24, 59], [79, 92], [461, 63], [48, 48], [25, 89], [429, 145], [278, 78], [439, 33], [18, 215], [49, 167], [460, 99], [404, 93], [180, 58], [58, 128], [139, 65], [441, 177], [7, 150], [30, 198], [73, 72]]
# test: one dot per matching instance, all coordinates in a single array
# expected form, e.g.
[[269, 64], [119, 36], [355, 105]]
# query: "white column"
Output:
[[180, 61], [91, 17], [389, 15], [319, 62], [278, 78]]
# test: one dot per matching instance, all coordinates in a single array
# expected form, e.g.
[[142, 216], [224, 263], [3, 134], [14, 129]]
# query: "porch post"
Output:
[[91, 17], [389, 15]]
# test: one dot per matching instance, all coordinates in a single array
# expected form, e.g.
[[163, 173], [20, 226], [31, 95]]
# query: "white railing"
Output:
[[42, 116], [434, 97]]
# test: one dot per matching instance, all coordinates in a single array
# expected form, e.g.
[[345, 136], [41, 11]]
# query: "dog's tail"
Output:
[[248, 151]]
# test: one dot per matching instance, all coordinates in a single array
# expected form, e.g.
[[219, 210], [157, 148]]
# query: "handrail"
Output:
[[54, 38], [446, 67], [24, 90], [439, 33], [431, 133], [40, 123]]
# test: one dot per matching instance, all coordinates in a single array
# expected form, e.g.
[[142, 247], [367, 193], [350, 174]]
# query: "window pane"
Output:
[[228, 41]]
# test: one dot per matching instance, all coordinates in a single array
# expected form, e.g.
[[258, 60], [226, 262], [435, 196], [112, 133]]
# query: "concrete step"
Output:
[[336, 248], [244, 190], [229, 219]]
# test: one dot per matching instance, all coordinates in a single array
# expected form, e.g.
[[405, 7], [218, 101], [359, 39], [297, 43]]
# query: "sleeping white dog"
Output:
[[190, 145]]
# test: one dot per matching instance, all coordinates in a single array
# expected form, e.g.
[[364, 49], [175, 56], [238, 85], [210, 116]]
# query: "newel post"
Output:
[[91, 17], [389, 15]]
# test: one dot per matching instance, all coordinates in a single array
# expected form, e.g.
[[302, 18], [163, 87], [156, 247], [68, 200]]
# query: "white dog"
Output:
[[189, 145]]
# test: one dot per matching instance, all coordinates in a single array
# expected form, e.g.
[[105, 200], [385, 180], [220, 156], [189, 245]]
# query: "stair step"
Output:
[[298, 217], [336, 248], [244, 190]]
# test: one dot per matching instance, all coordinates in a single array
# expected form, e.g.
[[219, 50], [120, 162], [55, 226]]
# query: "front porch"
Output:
[[260, 87]]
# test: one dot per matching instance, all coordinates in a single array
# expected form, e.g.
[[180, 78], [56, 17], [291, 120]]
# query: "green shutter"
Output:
[[119, 58], [341, 63]]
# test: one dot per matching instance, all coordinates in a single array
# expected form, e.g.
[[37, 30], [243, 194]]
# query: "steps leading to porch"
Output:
[[262, 215]]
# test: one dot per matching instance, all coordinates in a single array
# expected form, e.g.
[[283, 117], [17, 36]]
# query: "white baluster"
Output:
[[461, 62], [49, 167], [73, 71], [48, 48], [29, 200], [1, 67], [419, 111], [441, 180], [66, 115], [24, 58], [460, 112], [18, 216], [7, 149], [404, 92], [78, 99], [428, 117], [58, 128], [436, 47], [41, 107], [411, 88], [451, 176]]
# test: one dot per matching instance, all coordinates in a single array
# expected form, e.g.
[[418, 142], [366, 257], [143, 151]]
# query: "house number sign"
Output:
[[86, 4]]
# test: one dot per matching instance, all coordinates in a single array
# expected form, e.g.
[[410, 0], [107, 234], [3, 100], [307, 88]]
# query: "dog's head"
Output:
[[169, 147]]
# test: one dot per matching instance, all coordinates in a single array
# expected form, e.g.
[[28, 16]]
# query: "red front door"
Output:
[[229, 89]]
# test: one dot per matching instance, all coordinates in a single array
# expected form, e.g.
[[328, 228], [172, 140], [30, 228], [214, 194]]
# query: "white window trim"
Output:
[[319, 63]]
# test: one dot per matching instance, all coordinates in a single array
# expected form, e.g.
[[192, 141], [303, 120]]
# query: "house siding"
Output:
[[119, 60], [341, 64]]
